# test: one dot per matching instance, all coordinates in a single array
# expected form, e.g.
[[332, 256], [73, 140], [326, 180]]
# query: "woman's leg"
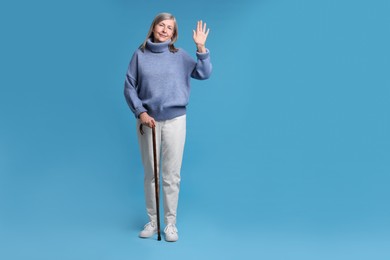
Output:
[[146, 146], [173, 135]]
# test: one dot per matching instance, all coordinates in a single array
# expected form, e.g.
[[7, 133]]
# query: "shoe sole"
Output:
[[140, 236], [171, 240]]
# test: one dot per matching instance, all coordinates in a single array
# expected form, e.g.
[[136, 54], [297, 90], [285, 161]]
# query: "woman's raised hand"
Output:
[[200, 36]]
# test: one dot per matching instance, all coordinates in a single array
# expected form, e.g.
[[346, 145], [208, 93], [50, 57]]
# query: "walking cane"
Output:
[[156, 182]]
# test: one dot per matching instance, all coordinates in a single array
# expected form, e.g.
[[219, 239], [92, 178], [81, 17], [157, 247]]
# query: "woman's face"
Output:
[[163, 30]]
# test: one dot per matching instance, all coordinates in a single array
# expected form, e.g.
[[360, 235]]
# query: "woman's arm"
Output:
[[203, 66], [131, 84]]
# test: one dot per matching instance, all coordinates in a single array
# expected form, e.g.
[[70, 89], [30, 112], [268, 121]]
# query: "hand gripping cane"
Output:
[[156, 181]]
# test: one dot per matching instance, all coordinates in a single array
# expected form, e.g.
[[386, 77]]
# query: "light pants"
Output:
[[170, 139]]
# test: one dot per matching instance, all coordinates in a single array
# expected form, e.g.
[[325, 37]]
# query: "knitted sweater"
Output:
[[158, 81]]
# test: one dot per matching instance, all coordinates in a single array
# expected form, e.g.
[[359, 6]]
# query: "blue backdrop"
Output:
[[288, 145]]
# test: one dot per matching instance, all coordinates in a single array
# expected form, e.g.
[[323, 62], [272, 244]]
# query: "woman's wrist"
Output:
[[201, 48]]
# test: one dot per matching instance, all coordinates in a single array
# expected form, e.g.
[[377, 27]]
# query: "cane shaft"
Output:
[[156, 183]]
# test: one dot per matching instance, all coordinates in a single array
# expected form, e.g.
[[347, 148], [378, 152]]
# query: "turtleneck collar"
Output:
[[157, 47]]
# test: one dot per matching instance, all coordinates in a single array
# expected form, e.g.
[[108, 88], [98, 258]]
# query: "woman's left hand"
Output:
[[200, 36]]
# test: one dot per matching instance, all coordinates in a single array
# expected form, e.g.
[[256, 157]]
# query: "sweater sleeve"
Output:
[[131, 85], [203, 66]]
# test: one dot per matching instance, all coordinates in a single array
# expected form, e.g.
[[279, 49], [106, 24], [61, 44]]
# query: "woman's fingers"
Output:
[[149, 124], [152, 123], [201, 28]]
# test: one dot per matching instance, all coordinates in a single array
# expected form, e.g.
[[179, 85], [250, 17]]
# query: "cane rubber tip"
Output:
[[159, 238]]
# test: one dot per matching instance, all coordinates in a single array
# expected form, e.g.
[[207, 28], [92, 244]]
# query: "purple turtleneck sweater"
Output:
[[158, 81]]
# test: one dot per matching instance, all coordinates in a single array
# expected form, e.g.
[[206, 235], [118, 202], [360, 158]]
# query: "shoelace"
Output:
[[171, 229], [150, 225]]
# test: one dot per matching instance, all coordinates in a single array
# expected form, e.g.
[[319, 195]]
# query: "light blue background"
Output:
[[288, 144]]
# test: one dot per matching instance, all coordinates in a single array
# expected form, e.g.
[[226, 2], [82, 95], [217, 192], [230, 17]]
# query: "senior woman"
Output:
[[157, 90]]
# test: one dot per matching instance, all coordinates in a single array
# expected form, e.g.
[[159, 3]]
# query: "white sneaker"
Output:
[[149, 230], [171, 233]]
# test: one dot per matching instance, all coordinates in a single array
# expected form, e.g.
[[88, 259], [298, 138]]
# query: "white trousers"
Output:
[[170, 139]]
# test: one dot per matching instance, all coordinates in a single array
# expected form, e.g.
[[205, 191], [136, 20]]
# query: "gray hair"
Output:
[[161, 17]]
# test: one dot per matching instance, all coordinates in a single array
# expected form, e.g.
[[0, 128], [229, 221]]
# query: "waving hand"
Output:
[[200, 36]]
